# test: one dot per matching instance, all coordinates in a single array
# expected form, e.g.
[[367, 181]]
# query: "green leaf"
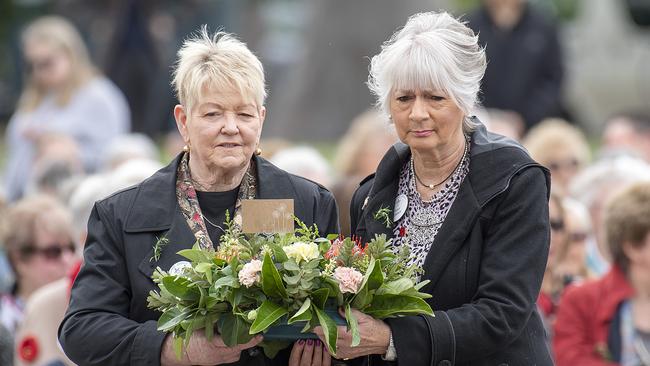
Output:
[[172, 317], [181, 287], [291, 265], [329, 329], [319, 297], [195, 255], [303, 314], [271, 281], [178, 347], [209, 327], [395, 287], [292, 280], [234, 330], [267, 314], [374, 278], [278, 253], [229, 281], [362, 298], [353, 325], [271, 348], [384, 306]]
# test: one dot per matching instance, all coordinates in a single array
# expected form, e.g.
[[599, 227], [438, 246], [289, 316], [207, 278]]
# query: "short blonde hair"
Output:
[[433, 50], [220, 61], [556, 135], [627, 221], [21, 220], [59, 33]]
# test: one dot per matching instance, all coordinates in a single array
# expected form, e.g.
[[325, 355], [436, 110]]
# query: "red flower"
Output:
[[334, 249], [28, 349], [402, 231], [196, 217]]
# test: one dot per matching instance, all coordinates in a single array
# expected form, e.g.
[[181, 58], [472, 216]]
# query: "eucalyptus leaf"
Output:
[[291, 265], [267, 314]]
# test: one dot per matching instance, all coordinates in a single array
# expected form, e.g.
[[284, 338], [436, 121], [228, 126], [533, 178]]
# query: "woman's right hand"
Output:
[[310, 352], [200, 351]]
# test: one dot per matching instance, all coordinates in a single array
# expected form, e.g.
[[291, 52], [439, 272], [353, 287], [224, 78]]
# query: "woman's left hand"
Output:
[[375, 337], [309, 353]]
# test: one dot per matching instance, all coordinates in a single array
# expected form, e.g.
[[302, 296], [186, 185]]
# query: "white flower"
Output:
[[349, 279], [300, 251], [250, 273]]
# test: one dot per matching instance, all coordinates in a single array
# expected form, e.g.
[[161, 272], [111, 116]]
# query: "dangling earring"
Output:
[[186, 148], [258, 152]]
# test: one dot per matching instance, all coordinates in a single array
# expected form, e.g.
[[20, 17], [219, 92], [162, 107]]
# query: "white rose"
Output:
[[300, 251]]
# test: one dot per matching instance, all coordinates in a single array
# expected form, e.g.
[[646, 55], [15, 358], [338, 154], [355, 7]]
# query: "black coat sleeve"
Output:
[[326, 213], [514, 252], [96, 329]]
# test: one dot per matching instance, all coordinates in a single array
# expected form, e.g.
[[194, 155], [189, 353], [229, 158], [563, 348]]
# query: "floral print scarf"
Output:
[[189, 203]]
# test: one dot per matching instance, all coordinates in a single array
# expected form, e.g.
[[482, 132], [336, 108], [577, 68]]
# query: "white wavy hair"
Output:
[[434, 51], [217, 61]]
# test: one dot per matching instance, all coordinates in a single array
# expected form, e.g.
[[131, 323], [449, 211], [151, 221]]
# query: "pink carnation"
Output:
[[250, 274], [349, 279]]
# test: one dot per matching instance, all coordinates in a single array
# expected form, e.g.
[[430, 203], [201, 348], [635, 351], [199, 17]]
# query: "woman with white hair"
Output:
[[471, 207], [220, 86], [64, 94]]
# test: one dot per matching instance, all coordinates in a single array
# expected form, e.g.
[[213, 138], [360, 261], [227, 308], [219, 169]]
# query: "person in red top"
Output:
[[607, 321]]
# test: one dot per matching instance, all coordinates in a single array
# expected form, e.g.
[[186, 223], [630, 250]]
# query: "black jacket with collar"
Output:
[[485, 265], [108, 322]]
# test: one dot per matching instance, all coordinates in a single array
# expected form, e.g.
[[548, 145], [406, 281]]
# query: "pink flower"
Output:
[[349, 279], [250, 274], [334, 249]]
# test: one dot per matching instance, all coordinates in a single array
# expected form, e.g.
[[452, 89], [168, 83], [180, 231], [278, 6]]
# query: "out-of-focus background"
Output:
[[570, 79]]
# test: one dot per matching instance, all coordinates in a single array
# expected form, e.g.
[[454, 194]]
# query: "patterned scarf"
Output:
[[189, 203]]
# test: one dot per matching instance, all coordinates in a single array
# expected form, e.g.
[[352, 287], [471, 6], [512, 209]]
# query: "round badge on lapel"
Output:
[[178, 268], [401, 203]]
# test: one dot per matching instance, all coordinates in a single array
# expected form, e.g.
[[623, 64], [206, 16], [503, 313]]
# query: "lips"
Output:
[[422, 133], [229, 145]]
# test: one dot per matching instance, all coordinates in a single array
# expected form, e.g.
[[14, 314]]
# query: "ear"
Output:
[[181, 122], [631, 251], [262, 115], [262, 118]]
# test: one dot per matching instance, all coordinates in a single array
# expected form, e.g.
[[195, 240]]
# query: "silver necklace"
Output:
[[210, 222], [433, 186]]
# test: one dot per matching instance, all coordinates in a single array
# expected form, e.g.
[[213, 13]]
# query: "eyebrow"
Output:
[[239, 107]]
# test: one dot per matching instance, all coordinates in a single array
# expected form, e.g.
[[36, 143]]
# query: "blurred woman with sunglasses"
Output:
[[37, 235], [63, 94]]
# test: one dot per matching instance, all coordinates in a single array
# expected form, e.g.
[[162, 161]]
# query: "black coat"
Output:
[[108, 322], [525, 70], [485, 265]]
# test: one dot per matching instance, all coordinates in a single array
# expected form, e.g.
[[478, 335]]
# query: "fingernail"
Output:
[[310, 342], [318, 342], [301, 342]]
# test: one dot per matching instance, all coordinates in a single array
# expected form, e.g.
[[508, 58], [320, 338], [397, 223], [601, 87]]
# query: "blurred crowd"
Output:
[[79, 132]]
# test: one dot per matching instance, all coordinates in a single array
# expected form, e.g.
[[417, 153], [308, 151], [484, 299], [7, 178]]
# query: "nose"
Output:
[[418, 110], [230, 124]]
